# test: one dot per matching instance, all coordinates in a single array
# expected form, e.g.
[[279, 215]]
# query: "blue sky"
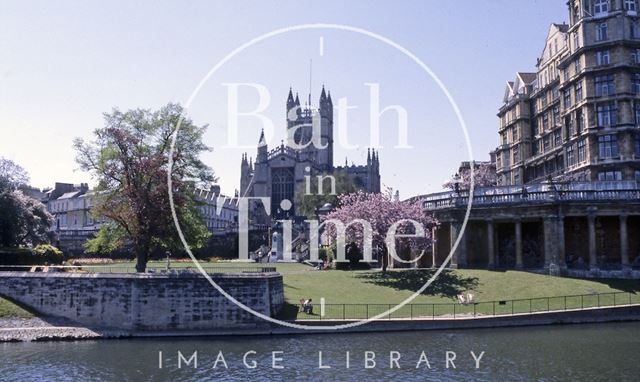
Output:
[[65, 63]]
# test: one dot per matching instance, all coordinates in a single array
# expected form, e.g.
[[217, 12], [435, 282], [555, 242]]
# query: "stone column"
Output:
[[491, 250], [460, 255], [560, 250], [518, 229], [624, 244], [434, 246], [549, 241], [453, 235], [593, 260]]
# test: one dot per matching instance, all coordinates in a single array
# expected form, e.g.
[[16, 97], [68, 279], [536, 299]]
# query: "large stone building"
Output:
[[577, 116], [568, 163], [279, 172]]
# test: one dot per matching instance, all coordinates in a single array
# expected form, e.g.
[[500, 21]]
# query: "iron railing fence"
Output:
[[473, 309]]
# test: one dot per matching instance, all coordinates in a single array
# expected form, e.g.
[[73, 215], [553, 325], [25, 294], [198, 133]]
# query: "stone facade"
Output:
[[577, 229], [279, 172], [183, 301], [577, 117]]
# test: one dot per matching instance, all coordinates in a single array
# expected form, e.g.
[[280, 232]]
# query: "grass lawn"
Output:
[[373, 287], [11, 310]]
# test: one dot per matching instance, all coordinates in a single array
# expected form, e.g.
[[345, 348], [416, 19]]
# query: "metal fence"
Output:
[[474, 309], [131, 269]]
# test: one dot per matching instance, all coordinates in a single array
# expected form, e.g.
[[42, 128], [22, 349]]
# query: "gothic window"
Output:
[[547, 143], [607, 114], [635, 83], [579, 121], [600, 7], [610, 175], [567, 98], [281, 188], [578, 91], [582, 151], [604, 85], [603, 57], [608, 146], [601, 31], [571, 157], [557, 137]]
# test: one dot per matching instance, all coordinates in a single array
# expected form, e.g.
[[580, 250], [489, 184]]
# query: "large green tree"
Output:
[[129, 158], [23, 220]]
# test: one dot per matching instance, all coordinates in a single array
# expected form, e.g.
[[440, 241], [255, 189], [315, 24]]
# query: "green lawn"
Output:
[[373, 287], [11, 310]]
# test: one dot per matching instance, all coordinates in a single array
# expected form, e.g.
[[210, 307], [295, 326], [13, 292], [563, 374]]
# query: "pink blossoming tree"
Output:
[[382, 211], [484, 175]]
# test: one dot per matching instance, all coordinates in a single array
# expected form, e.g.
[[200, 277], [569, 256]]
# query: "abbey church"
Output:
[[279, 172]]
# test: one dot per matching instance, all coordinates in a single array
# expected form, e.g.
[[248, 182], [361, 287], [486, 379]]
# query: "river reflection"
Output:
[[579, 352]]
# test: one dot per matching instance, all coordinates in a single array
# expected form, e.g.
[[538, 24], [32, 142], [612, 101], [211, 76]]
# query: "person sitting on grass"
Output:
[[307, 307]]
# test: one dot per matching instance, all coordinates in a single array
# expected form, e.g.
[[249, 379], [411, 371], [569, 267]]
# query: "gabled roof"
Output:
[[527, 77], [69, 195]]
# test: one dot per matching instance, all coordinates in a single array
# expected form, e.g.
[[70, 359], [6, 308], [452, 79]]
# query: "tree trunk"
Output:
[[385, 260], [142, 256], [141, 262]]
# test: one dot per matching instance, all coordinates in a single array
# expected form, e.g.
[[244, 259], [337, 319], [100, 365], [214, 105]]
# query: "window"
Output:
[[565, 73], [547, 143], [515, 133], [571, 156], [567, 98], [600, 7], [601, 32], [516, 154], [607, 114], [630, 5], [556, 93], [637, 175], [576, 41], [556, 115], [602, 57], [635, 56], [545, 122], [578, 65], [579, 121], [578, 91], [582, 151], [633, 30], [637, 113], [604, 85], [635, 83], [608, 146], [609, 175], [557, 138]]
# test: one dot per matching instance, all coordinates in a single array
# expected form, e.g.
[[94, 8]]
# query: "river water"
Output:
[[603, 352]]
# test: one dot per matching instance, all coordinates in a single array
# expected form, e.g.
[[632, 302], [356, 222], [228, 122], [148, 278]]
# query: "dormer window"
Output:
[[630, 6], [600, 7]]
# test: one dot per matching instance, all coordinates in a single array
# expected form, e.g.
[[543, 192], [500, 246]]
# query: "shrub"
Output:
[[48, 254], [16, 256]]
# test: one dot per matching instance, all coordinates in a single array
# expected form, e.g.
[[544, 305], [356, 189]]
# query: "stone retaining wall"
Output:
[[183, 301]]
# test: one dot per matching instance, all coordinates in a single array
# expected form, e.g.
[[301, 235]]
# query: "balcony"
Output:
[[535, 194]]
